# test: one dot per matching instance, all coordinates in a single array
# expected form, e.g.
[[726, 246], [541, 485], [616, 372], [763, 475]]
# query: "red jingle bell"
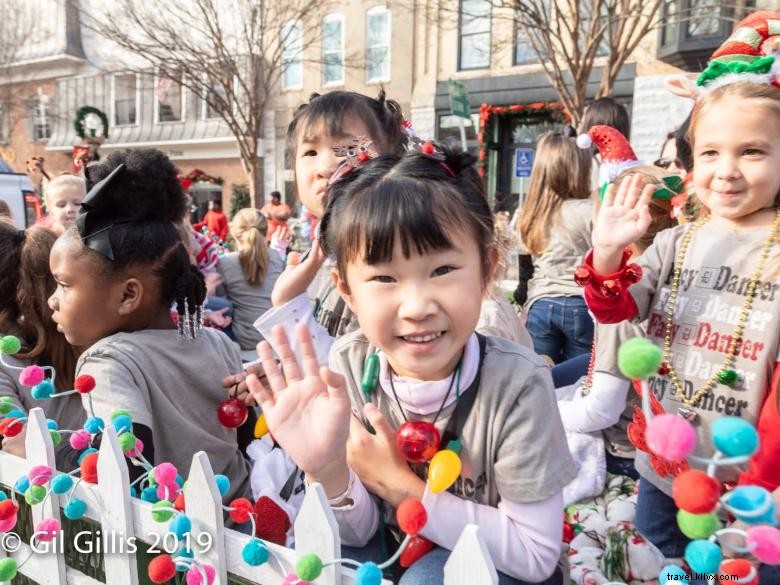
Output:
[[633, 273], [611, 288], [582, 276], [663, 369], [418, 440], [232, 413]]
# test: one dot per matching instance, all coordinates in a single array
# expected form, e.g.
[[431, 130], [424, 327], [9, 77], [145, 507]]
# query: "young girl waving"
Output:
[[118, 272], [704, 288], [414, 248]]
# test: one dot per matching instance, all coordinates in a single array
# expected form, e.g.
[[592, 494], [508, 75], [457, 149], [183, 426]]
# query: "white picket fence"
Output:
[[120, 518]]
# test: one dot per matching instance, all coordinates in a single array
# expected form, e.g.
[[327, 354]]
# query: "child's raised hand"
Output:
[[307, 409], [623, 218]]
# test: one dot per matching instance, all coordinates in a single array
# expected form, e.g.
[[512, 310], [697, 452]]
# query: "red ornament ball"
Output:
[[232, 413], [418, 440], [417, 548], [89, 468], [411, 516], [242, 509], [611, 288], [695, 492], [162, 569], [581, 276], [84, 384]]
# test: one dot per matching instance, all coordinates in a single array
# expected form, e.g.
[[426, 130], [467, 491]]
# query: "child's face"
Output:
[[85, 310], [419, 311], [63, 206], [736, 152], [315, 160]]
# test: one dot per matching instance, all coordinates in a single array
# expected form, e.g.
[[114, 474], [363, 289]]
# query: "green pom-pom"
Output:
[[56, 437], [8, 569], [35, 494], [126, 442], [639, 358], [119, 412], [6, 404], [697, 526], [308, 567], [162, 511], [10, 345], [150, 477]]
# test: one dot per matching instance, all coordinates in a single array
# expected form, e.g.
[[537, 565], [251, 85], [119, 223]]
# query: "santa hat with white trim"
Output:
[[616, 153]]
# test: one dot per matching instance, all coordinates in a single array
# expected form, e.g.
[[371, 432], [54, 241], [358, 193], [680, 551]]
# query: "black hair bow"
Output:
[[96, 216]]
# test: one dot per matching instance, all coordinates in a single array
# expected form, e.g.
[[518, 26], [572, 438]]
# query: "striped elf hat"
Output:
[[749, 54]]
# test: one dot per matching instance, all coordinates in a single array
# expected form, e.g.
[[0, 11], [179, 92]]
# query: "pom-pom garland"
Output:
[[639, 358], [10, 345], [195, 577], [254, 553], [309, 567], [670, 436], [31, 376], [695, 492], [240, 510], [89, 468], [84, 384], [8, 569], [47, 529], [411, 516], [162, 569], [75, 509]]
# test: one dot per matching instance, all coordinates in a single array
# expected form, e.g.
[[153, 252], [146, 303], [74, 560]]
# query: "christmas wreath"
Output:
[[81, 115]]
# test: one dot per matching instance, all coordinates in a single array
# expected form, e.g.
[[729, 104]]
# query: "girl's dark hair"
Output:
[[25, 288], [609, 112], [382, 117], [414, 197], [683, 146], [148, 201]]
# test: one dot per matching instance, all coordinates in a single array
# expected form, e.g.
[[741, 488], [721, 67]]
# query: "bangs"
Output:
[[396, 207], [325, 115]]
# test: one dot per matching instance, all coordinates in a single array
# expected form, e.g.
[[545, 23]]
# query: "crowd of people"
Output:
[[390, 339]]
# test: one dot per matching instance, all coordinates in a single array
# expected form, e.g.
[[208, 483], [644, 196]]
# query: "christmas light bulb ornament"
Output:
[[445, 468], [232, 413], [417, 440]]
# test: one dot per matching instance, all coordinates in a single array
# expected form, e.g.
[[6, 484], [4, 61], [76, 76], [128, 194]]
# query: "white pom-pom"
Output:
[[584, 141]]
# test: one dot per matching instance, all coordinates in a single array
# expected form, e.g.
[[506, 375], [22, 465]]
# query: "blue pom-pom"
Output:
[[150, 494], [703, 556], [223, 484], [133, 492], [3, 496], [42, 391], [734, 436], [179, 480], [254, 553], [75, 509], [184, 552], [668, 574], [86, 452], [123, 424], [368, 574], [61, 483], [52, 424], [22, 484], [94, 425], [16, 413], [180, 526]]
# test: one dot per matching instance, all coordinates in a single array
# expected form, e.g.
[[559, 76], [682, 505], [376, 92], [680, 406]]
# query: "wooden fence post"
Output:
[[470, 561], [316, 531]]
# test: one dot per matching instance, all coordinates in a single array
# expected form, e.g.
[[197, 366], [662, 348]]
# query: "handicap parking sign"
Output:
[[524, 160]]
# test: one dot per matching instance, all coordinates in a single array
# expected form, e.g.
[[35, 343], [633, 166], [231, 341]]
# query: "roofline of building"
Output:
[[152, 143]]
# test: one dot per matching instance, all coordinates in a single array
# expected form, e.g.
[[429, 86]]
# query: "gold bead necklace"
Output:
[[732, 348]]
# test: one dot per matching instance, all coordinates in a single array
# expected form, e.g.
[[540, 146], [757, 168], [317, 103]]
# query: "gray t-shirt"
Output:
[[568, 240], [513, 442], [714, 280], [249, 301], [330, 310], [498, 317], [173, 387]]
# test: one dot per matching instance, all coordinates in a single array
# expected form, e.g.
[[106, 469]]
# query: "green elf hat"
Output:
[[749, 54]]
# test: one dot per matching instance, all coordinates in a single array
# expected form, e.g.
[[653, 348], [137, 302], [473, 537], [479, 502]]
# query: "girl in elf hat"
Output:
[[414, 246], [704, 288]]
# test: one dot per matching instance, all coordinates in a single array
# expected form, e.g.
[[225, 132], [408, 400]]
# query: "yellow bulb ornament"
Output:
[[261, 427], [445, 468]]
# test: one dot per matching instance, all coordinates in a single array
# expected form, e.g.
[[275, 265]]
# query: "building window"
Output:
[[585, 17], [670, 19], [170, 97], [292, 56], [474, 34], [333, 49], [217, 99], [5, 133], [378, 44], [704, 19], [37, 109], [126, 98]]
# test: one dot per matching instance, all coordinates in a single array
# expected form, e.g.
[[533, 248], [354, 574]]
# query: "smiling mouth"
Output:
[[425, 338]]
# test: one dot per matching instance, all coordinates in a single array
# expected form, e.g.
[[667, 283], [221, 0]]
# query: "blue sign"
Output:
[[524, 160]]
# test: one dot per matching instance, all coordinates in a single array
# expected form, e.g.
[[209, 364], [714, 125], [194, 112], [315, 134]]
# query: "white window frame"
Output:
[[204, 107], [333, 16], [157, 102], [137, 99], [38, 107], [462, 35], [298, 61], [369, 13]]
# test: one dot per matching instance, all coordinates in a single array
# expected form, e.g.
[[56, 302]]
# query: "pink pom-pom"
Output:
[[292, 579], [80, 440], [135, 451], [765, 541], [165, 473], [584, 141], [39, 475], [194, 576], [47, 529], [7, 524], [671, 437], [31, 376], [167, 492]]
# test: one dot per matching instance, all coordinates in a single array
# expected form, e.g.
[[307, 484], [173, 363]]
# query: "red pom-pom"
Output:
[[7, 509], [242, 508], [741, 568], [84, 384], [428, 148], [10, 427], [695, 492], [417, 548], [581, 276], [179, 503], [162, 569], [272, 522], [411, 516], [89, 468]]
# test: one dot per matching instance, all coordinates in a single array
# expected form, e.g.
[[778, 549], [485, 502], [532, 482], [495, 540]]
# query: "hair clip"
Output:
[[355, 153]]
